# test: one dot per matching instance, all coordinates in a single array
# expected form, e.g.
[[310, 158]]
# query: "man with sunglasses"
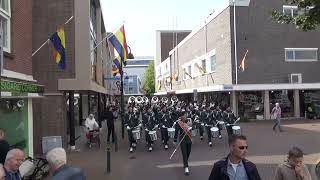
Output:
[[235, 166]]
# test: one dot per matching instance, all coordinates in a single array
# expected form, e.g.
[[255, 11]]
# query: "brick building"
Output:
[[18, 85]]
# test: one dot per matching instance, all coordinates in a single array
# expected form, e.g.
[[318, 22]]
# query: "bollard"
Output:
[[108, 160], [115, 142]]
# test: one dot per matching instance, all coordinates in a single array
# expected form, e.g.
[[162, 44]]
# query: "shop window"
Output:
[[285, 99], [290, 10], [251, 105], [14, 121], [5, 19]]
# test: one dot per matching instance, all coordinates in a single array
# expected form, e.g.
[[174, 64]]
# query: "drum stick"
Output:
[[178, 145]]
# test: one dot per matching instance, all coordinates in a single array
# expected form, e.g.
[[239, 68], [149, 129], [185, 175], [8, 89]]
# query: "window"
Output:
[[189, 70], [301, 54], [184, 73], [290, 10], [5, 17], [213, 63], [93, 18], [203, 65]]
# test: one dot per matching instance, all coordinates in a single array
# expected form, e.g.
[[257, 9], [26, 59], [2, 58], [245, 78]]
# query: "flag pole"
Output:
[[106, 37], [34, 53]]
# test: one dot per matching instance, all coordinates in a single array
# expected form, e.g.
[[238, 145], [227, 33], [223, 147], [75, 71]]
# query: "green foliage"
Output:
[[308, 17], [148, 81]]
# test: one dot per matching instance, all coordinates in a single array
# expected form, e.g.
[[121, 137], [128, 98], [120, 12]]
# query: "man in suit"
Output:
[[13, 161], [57, 160]]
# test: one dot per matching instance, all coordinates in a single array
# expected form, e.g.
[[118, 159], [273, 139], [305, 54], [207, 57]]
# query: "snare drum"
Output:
[[222, 125], [153, 135], [194, 132], [171, 132], [214, 131], [236, 130], [136, 134]]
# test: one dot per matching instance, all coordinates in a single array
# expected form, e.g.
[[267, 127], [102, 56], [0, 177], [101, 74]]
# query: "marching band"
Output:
[[176, 120]]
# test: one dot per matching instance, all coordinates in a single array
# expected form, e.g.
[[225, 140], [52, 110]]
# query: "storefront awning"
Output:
[[16, 89], [248, 87]]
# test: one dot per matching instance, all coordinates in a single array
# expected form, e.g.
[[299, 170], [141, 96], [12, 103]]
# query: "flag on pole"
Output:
[[200, 68], [118, 40], [59, 44], [116, 66], [242, 65], [174, 76]]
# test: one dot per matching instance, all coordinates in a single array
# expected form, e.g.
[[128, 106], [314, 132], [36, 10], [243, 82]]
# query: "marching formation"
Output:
[[176, 120]]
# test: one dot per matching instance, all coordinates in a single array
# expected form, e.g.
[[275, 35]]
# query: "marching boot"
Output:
[[131, 149], [220, 136], [166, 147], [201, 138], [210, 144], [150, 149], [134, 145], [186, 171]]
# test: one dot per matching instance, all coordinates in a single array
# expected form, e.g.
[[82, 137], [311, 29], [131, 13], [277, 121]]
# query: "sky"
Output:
[[142, 18]]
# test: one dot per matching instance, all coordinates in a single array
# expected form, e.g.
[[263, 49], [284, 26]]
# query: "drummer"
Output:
[[229, 118], [165, 124], [150, 125], [209, 123], [217, 116], [185, 137], [131, 122]]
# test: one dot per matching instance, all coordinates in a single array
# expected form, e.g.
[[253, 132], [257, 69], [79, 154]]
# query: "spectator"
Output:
[[109, 116], [13, 161], [91, 123], [57, 160], [2, 173], [4, 147], [276, 115], [235, 166], [293, 168]]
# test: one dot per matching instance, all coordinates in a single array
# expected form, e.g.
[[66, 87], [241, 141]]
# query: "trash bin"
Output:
[[50, 142]]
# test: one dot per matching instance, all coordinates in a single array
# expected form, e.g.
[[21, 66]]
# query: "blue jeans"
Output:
[[277, 122]]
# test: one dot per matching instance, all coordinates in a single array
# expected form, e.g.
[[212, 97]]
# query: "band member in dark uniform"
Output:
[[217, 116], [209, 122], [229, 118], [131, 122], [183, 131], [164, 125], [150, 125]]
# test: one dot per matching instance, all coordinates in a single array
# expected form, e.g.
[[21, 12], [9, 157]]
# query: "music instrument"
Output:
[[145, 99], [139, 100], [171, 132], [236, 129], [214, 132], [131, 99], [174, 99], [154, 100], [222, 125], [153, 135], [164, 100], [136, 134], [194, 132]]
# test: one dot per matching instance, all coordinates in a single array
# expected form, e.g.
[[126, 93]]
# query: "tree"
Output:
[[308, 17], [148, 81]]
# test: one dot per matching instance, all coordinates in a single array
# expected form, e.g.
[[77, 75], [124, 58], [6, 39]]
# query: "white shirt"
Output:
[[91, 124]]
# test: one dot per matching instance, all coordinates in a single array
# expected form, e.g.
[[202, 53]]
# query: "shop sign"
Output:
[[227, 87], [12, 86]]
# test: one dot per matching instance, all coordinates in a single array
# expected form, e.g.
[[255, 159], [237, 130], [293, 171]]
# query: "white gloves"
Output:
[[128, 128]]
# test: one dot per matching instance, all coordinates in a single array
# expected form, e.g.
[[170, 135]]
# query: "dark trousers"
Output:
[[209, 133], [164, 135], [220, 128], [130, 137], [201, 130], [110, 131], [186, 150], [229, 130], [148, 138]]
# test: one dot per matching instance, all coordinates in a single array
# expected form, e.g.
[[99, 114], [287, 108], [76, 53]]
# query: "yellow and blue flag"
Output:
[[58, 41], [118, 40]]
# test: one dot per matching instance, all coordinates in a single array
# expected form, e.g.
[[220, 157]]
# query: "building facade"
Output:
[[85, 67], [19, 88], [279, 62]]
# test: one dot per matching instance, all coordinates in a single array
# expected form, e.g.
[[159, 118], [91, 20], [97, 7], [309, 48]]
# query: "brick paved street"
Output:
[[266, 149]]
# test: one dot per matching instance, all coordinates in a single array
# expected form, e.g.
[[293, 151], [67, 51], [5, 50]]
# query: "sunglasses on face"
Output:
[[243, 147]]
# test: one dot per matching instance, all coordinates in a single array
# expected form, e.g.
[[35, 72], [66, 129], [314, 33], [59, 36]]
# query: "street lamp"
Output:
[[130, 56]]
